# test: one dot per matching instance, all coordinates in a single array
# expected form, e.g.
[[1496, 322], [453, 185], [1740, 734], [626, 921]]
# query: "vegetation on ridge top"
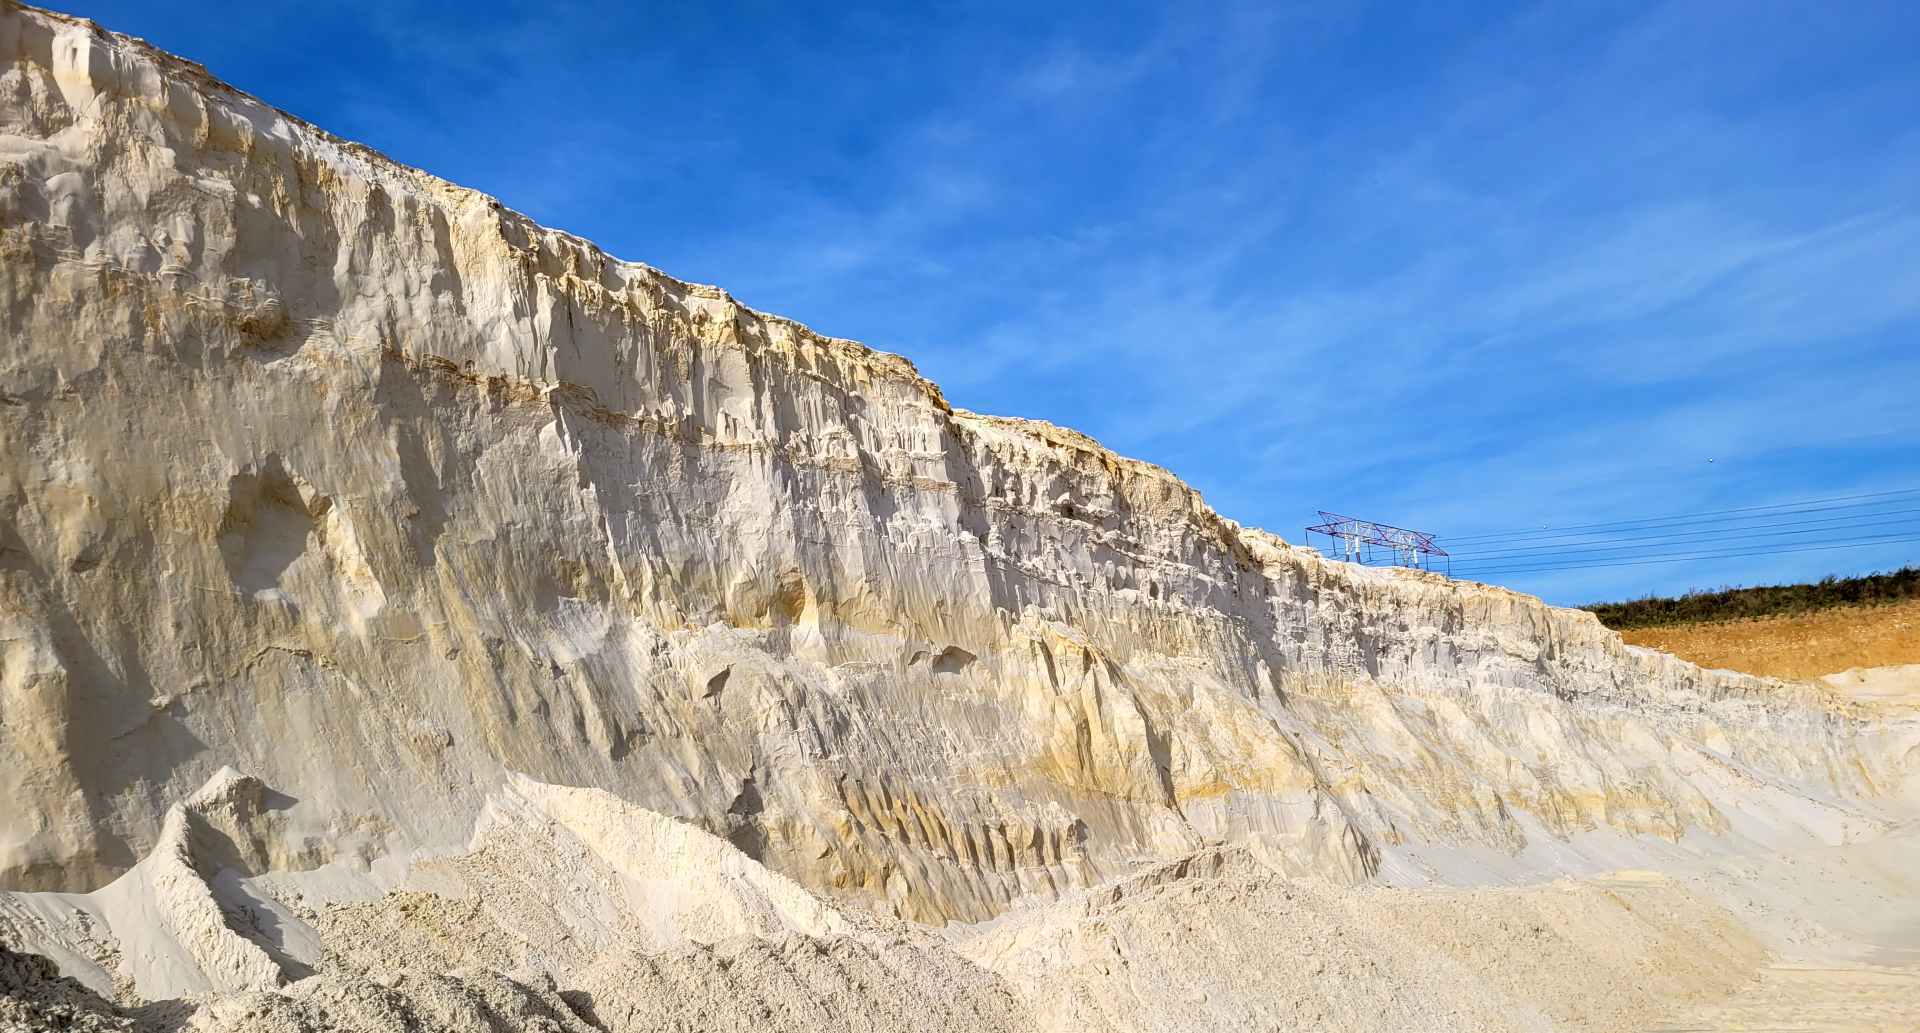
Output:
[[1725, 604]]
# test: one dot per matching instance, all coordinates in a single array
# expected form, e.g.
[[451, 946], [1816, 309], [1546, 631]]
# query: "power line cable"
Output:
[[1677, 558], [1507, 575], [1689, 516], [1682, 549], [1684, 517], [1677, 527], [1598, 540], [1550, 563], [1847, 523]]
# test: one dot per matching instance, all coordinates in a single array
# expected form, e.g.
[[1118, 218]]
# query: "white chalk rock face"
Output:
[[319, 467]]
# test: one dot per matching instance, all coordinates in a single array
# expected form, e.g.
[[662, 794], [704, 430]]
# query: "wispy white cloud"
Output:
[[1465, 267]]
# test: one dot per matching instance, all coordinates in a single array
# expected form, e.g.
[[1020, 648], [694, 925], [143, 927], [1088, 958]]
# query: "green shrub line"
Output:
[[1728, 604]]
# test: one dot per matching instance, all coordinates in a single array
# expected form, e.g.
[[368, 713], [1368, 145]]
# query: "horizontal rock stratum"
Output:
[[323, 470]]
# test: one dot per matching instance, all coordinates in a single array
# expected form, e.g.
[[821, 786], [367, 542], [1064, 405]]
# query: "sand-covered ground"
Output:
[[573, 911]]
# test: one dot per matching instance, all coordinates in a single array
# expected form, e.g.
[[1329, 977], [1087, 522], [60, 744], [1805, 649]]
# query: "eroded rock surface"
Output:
[[320, 467], [413, 617]]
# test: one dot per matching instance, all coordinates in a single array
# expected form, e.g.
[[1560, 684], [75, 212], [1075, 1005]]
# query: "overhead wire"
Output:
[[1845, 523], [1679, 527], [1888, 539], [1681, 519], [1700, 536]]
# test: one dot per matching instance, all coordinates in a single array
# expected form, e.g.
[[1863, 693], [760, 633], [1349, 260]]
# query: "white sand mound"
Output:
[[571, 910], [181, 922], [646, 923], [583, 856], [1221, 941], [553, 878]]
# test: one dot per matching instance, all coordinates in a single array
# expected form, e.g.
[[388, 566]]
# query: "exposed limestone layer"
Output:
[[320, 467]]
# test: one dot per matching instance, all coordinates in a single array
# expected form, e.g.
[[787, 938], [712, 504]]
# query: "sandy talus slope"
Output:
[[568, 910], [572, 910], [1219, 942], [319, 469], [1822, 938]]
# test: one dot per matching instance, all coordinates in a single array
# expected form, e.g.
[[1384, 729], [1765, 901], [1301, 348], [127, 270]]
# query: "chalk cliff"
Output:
[[320, 468]]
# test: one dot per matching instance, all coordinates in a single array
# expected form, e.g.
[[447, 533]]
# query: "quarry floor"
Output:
[[1843, 929]]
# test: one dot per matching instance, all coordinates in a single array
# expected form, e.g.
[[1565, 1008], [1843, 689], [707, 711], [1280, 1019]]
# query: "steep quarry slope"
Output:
[[317, 466], [414, 618]]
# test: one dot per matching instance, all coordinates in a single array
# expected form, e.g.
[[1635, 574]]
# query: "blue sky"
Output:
[[1459, 266]]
